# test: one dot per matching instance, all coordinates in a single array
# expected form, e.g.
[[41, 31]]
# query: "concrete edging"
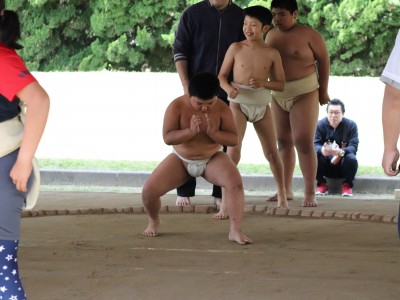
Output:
[[364, 185]]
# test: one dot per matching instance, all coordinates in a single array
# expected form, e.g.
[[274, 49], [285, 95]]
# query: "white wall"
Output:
[[118, 116]]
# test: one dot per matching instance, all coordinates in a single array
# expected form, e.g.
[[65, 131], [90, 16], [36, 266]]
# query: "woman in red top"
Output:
[[17, 151]]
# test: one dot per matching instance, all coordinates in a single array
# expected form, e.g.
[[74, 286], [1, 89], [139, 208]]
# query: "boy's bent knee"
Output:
[[148, 194], [234, 186]]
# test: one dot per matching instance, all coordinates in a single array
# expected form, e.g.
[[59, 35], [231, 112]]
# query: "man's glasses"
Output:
[[334, 112]]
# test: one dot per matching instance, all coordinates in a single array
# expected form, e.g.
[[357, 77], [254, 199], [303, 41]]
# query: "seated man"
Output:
[[336, 143], [197, 125]]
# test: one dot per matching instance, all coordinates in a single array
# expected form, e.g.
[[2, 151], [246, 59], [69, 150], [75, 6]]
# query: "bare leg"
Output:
[[159, 183], [234, 153], [235, 203], [274, 198], [285, 146], [304, 117], [152, 208], [222, 171], [222, 214], [266, 133]]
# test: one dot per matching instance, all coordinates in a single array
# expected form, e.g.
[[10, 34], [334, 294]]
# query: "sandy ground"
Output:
[[105, 256]]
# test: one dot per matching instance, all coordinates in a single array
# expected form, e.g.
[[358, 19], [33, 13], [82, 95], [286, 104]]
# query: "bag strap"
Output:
[[345, 134]]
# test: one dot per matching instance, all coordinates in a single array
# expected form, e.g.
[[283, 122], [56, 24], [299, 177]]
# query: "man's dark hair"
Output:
[[10, 30], [2, 4], [259, 12], [336, 102], [290, 5], [204, 86]]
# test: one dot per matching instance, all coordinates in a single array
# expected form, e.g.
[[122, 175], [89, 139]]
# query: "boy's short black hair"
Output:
[[336, 102], [259, 12], [290, 5], [10, 31], [2, 4], [204, 86]]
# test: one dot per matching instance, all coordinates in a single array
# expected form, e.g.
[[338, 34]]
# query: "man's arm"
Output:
[[319, 138], [391, 129], [225, 70], [181, 49], [182, 69], [352, 141]]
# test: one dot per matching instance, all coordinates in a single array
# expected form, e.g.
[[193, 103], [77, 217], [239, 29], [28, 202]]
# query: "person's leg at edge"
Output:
[[159, 183], [10, 282], [11, 202], [303, 120], [222, 171], [234, 153], [285, 147], [185, 191], [267, 135]]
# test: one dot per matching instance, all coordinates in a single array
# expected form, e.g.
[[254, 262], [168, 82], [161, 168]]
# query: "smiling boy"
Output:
[[257, 69]]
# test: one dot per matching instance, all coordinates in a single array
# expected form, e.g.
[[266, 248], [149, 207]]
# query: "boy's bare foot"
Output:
[[152, 228], [311, 202], [240, 238], [274, 197], [222, 214], [282, 200], [182, 201], [283, 204]]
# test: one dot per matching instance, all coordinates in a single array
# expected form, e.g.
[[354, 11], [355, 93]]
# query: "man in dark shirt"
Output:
[[205, 32], [336, 143]]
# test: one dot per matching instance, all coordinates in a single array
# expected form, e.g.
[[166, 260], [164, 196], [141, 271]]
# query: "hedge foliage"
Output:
[[136, 35]]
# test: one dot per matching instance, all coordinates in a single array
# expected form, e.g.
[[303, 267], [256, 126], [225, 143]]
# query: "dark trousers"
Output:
[[188, 189], [347, 168]]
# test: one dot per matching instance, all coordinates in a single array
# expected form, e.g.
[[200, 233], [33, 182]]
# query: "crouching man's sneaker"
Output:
[[322, 189], [347, 191]]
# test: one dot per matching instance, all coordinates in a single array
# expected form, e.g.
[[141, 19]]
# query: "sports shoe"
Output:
[[347, 191], [322, 189]]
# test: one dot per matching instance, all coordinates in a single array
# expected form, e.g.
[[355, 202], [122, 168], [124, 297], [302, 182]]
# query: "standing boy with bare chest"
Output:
[[257, 69], [305, 61]]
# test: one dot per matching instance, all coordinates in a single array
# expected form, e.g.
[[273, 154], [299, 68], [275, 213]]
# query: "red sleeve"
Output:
[[14, 75]]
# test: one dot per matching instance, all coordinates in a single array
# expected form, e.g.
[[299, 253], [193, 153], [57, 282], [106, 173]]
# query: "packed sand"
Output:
[[105, 256]]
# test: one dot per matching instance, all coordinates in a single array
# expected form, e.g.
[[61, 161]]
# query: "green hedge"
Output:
[[137, 35]]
